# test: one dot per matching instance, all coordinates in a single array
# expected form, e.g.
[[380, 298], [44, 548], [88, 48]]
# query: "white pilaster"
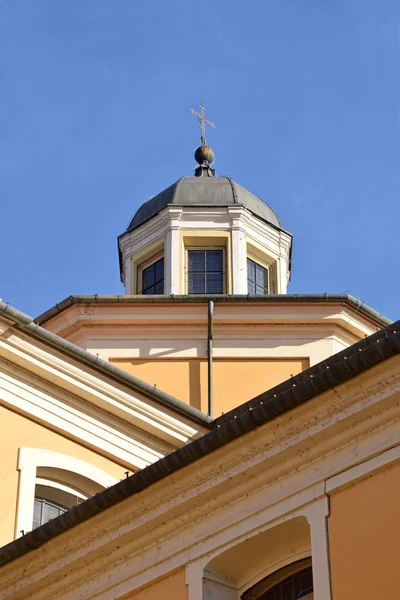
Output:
[[239, 266], [282, 275], [317, 515], [194, 580], [239, 263], [172, 262], [128, 275], [283, 262]]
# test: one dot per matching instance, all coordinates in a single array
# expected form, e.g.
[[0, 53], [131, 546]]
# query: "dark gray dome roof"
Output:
[[204, 191]]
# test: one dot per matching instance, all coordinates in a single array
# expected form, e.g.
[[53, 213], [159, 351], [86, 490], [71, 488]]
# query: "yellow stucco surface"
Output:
[[172, 587], [18, 431], [364, 534], [235, 380]]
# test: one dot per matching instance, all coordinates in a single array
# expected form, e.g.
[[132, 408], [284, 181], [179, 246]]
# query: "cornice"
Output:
[[232, 315], [24, 327], [160, 427], [211, 217], [109, 434]]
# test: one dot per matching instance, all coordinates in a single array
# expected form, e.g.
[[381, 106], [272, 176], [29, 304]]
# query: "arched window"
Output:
[[53, 497], [293, 582], [50, 483]]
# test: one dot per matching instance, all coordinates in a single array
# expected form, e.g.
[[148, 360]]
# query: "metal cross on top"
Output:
[[203, 123]]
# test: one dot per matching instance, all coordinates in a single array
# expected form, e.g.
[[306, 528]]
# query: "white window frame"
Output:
[[206, 248], [29, 459], [144, 265], [265, 265]]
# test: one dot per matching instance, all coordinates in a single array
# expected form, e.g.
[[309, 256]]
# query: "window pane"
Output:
[[260, 291], [147, 277], [306, 583], [158, 288], [251, 287], [49, 512], [214, 260], [153, 278], [196, 260], [251, 269], [196, 283], [37, 514], [159, 266], [257, 278], [287, 590], [214, 283], [296, 586], [205, 273], [260, 275], [43, 511]]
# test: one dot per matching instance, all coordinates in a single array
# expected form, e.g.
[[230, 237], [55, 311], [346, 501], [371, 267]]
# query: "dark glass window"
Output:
[[205, 272], [296, 586], [153, 278], [44, 511], [257, 278]]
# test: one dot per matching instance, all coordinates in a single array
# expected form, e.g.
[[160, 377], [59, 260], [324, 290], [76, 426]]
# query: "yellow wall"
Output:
[[172, 587], [364, 534], [18, 431], [234, 380]]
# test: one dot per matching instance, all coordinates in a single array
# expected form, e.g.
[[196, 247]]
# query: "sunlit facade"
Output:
[[206, 434]]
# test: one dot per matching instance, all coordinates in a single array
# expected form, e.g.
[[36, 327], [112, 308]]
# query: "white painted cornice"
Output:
[[75, 401], [233, 316]]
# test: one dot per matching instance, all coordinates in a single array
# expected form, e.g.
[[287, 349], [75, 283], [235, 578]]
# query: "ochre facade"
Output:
[[173, 586], [124, 478], [316, 485], [255, 345], [364, 533], [21, 432], [234, 380]]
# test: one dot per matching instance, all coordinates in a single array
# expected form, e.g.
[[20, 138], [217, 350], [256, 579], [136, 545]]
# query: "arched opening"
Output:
[[58, 490], [261, 567], [293, 582], [51, 483]]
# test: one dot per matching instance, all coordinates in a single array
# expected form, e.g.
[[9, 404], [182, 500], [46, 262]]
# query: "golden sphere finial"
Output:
[[204, 155]]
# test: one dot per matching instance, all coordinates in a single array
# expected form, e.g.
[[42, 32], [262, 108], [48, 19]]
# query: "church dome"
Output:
[[207, 192]]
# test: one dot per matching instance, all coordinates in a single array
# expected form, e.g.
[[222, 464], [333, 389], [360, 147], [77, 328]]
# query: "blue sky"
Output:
[[94, 118]]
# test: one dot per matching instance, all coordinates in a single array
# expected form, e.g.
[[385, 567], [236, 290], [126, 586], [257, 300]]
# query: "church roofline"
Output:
[[28, 325], [294, 392], [188, 192], [218, 299]]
